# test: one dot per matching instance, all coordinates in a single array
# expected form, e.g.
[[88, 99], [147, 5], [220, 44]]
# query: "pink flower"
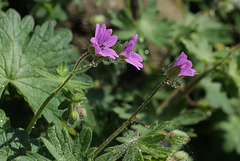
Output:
[[132, 57], [186, 65], [103, 41]]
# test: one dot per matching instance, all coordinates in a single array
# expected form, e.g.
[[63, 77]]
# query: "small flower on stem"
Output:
[[185, 65], [130, 56], [103, 41], [182, 67]]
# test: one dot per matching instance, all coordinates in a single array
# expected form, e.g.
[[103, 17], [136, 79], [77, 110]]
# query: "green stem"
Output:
[[179, 95], [187, 30], [91, 65], [126, 123], [55, 92], [192, 84]]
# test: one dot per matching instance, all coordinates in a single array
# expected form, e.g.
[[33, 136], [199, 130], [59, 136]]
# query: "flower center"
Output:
[[101, 46]]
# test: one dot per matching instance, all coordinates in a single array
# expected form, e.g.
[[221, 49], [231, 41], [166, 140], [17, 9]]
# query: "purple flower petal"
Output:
[[137, 64], [181, 59], [110, 41], [186, 65], [132, 57], [131, 43], [164, 143], [97, 30], [109, 52], [103, 40], [96, 46], [108, 33]]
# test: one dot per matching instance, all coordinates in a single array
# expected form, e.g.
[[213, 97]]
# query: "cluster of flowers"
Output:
[[103, 41]]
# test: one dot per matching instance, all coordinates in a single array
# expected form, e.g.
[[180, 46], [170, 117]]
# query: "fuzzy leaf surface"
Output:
[[158, 32], [216, 97], [231, 131], [15, 142], [62, 148], [134, 147], [23, 48], [30, 156]]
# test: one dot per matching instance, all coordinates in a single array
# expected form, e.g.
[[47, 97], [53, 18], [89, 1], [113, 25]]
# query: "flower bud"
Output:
[[63, 69], [73, 117], [170, 159], [178, 137], [181, 156], [83, 112]]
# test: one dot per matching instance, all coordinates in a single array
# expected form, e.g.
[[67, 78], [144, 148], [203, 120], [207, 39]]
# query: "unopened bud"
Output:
[[83, 112], [181, 156], [170, 159], [74, 116], [178, 137]]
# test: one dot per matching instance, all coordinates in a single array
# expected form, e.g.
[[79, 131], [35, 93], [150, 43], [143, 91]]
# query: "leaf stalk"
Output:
[[126, 123], [57, 90]]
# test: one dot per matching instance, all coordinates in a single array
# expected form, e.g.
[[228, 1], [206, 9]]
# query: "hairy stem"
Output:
[[179, 93], [126, 123], [53, 93]]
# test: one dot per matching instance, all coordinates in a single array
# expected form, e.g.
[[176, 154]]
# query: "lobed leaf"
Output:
[[155, 127], [62, 148], [4, 121], [31, 157], [135, 146], [22, 49], [158, 32], [231, 130], [216, 97], [190, 117], [14, 143]]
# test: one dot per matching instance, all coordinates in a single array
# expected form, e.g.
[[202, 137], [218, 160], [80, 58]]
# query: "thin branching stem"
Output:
[[180, 93], [126, 123], [55, 92]]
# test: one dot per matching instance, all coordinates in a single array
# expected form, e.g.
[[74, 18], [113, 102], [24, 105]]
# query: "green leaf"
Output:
[[214, 31], [125, 22], [133, 153], [31, 157], [231, 130], [125, 111], [216, 97], [62, 148], [152, 145], [62, 69], [81, 144], [134, 146], [190, 117], [155, 127], [58, 143], [200, 48], [76, 85], [113, 153], [52, 149], [4, 121], [158, 31], [22, 49], [16, 142]]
